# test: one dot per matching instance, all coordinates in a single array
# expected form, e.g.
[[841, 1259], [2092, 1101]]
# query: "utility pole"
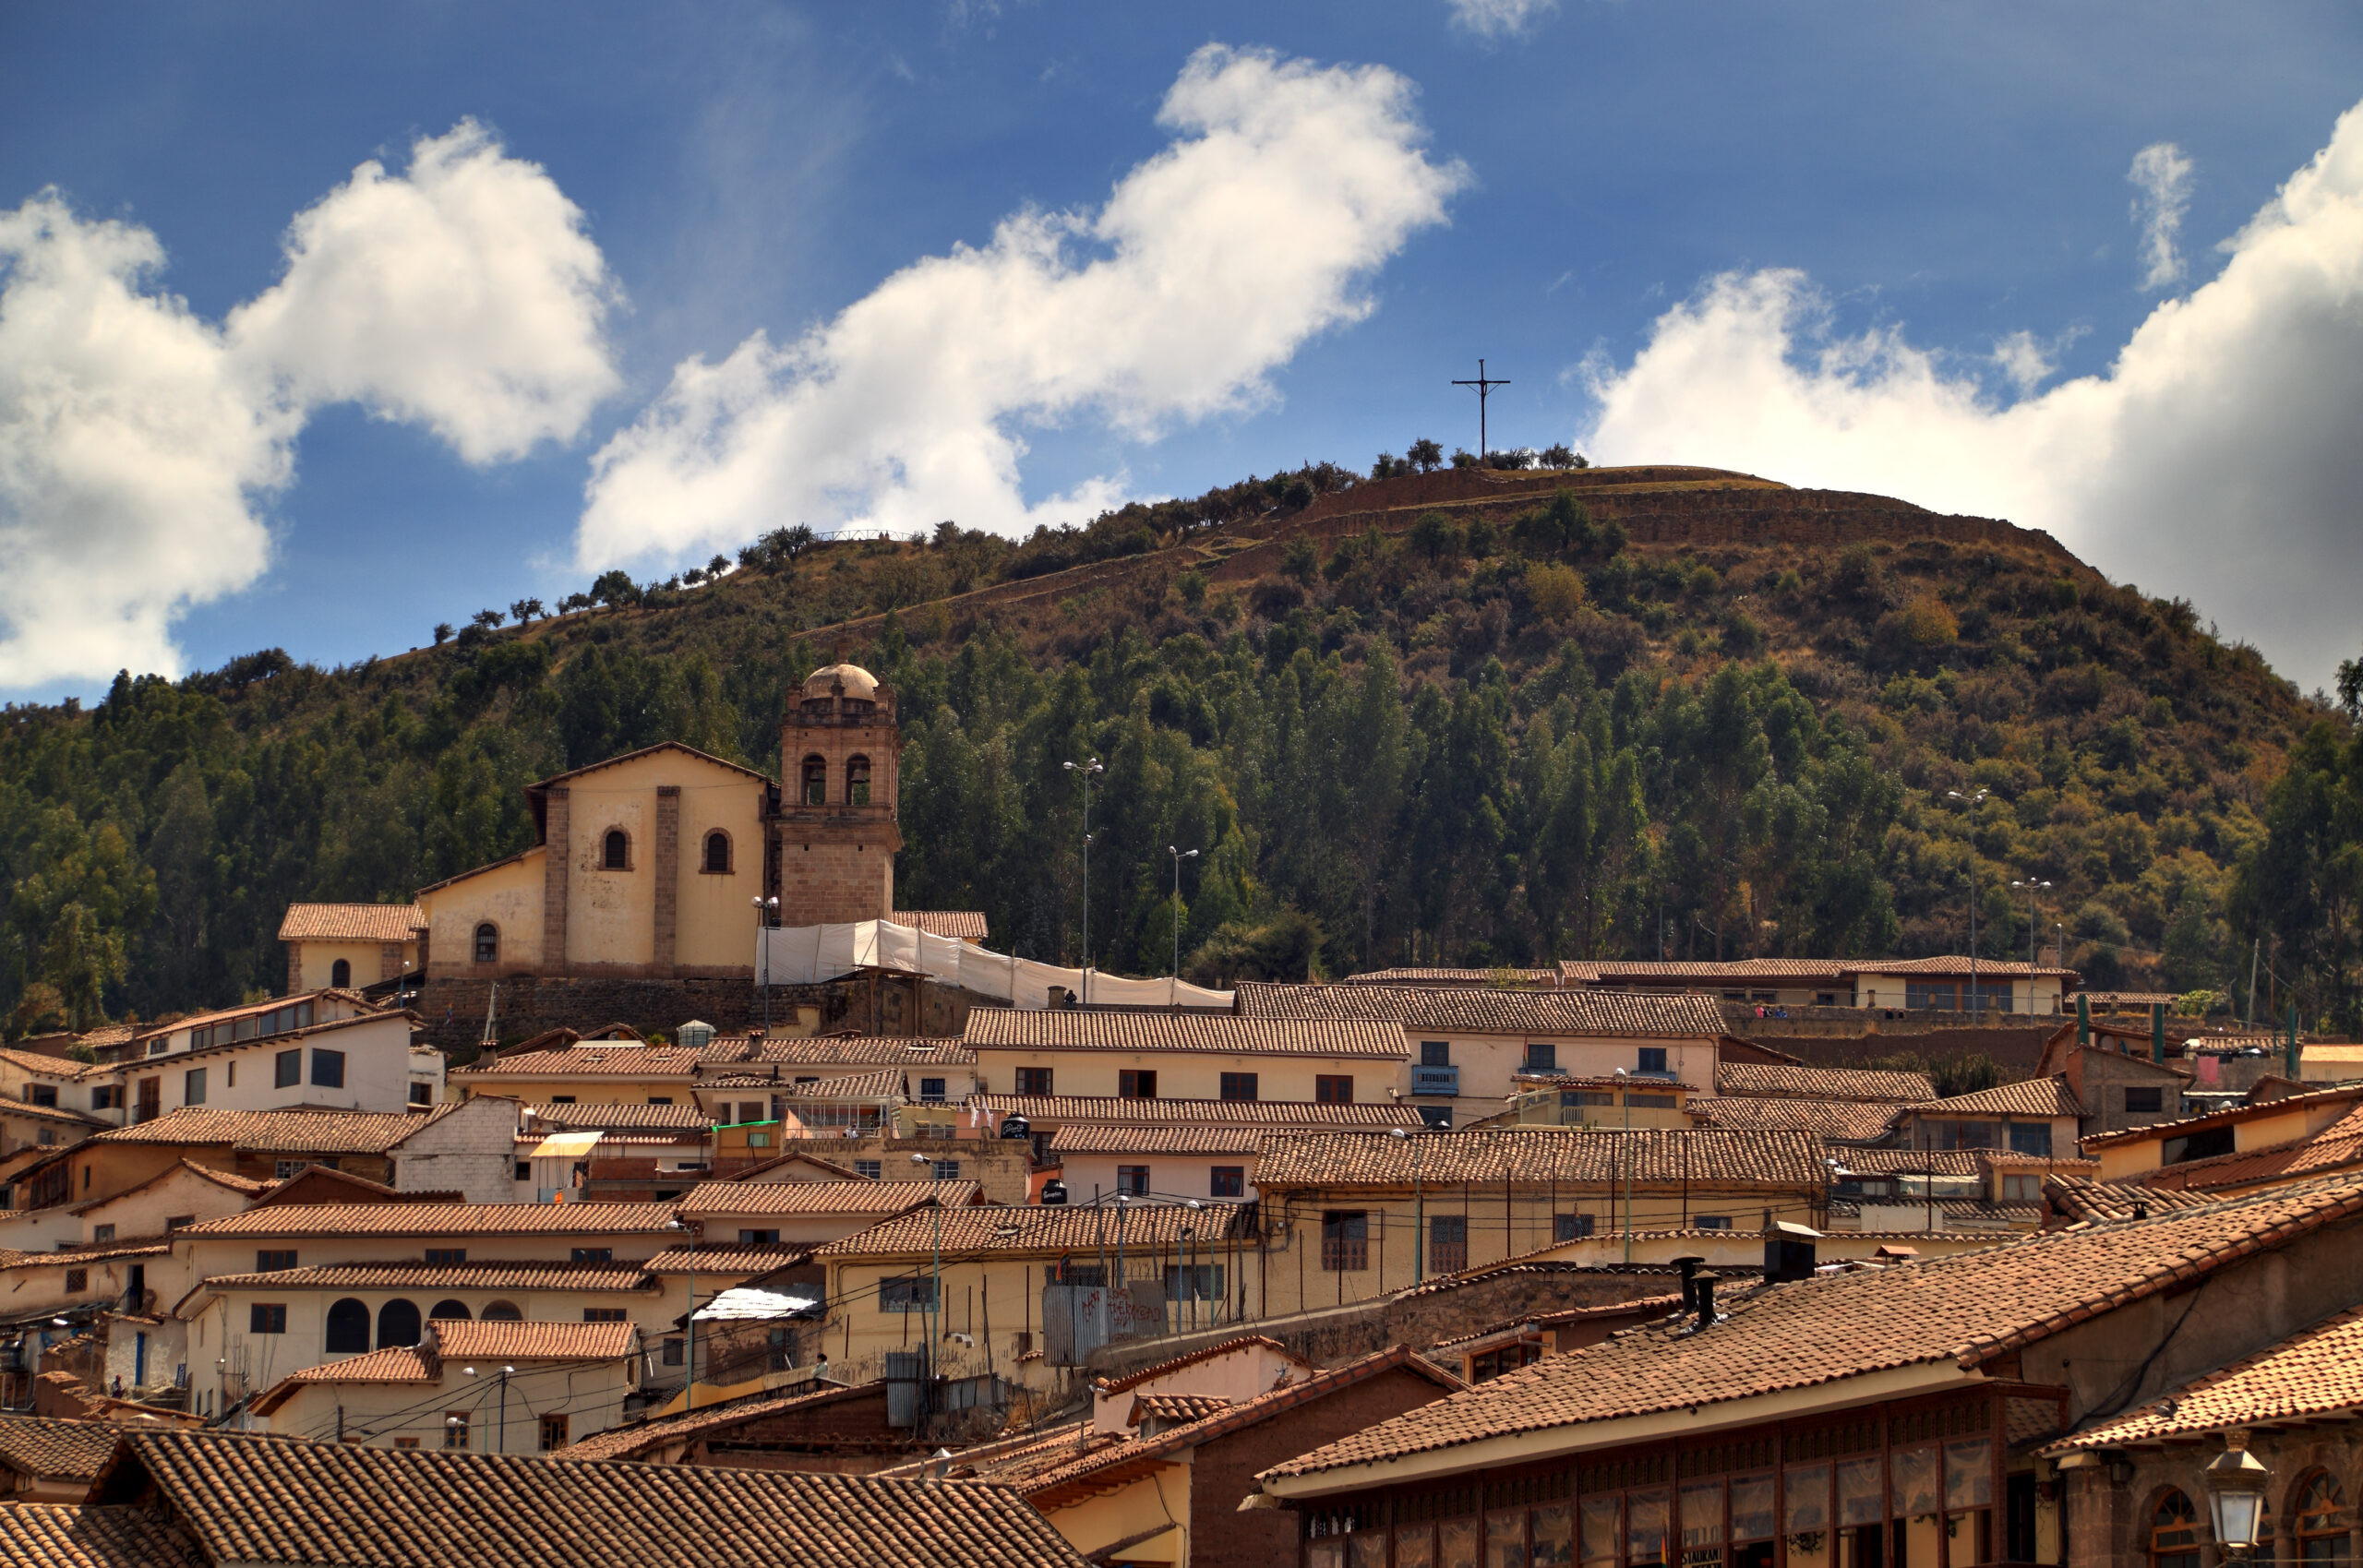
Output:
[[767, 912], [1484, 386], [1085, 770], [1179, 857]]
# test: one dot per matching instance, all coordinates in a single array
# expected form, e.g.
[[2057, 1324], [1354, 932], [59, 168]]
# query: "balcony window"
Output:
[[1345, 1241]]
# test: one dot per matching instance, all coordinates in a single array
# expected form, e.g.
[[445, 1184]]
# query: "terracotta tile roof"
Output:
[[858, 1050], [1472, 1009], [821, 1198], [625, 1060], [644, 1437], [1547, 1155], [81, 1120], [1003, 1028], [1848, 1120], [436, 1220], [884, 1084], [1708, 972], [1418, 976], [1015, 1461], [1913, 1162], [840, 1171], [442, 1276], [53, 1066], [279, 1132], [719, 1258], [2336, 1147], [351, 922], [402, 1363], [55, 1450], [588, 1118], [2316, 1371], [966, 925], [1107, 1109], [1532, 1078], [1207, 1353], [44, 1535], [1965, 1310], [727, 1056], [96, 1253], [1033, 1229], [1104, 1468], [2230, 1116], [1176, 1408], [2010, 1159], [1765, 1080], [2083, 1198], [256, 1501], [1083, 1138], [2033, 1096], [245, 1186], [493, 1340]]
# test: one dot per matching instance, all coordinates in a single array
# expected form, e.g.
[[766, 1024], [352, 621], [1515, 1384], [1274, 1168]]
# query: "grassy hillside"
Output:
[[1466, 716]]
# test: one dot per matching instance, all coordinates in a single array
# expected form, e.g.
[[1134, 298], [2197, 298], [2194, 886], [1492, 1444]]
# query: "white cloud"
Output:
[[2215, 459], [2162, 174], [136, 441], [1499, 18], [1209, 265]]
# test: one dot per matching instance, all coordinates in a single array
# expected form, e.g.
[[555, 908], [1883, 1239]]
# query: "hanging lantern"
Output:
[[2236, 1483]]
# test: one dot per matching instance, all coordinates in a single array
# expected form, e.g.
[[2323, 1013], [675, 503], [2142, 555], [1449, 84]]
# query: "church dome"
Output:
[[859, 684]]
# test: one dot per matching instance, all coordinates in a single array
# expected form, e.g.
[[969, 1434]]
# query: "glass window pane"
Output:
[[1860, 1498], [1702, 1514], [1969, 1475], [1809, 1497], [1415, 1546], [1645, 1524], [1555, 1539], [1330, 1553], [1915, 1480], [1457, 1544], [1751, 1518], [1366, 1548], [1505, 1538], [1600, 1518]]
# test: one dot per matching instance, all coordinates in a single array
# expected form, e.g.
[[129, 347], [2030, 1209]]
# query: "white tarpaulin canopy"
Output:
[[801, 954]]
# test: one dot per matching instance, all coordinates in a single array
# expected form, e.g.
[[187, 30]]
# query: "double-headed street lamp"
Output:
[[1419, 1209], [1971, 802], [767, 916], [1084, 771], [1179, 857], [2032, 888]]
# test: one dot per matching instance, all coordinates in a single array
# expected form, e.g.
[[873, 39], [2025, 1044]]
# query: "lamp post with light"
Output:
[[1419, 1209], [2235, 1485], [2032, 887], [767, 912], [1625, 1153], [1971, 802], [1179, 857], [1084, 771], [935, 1287]]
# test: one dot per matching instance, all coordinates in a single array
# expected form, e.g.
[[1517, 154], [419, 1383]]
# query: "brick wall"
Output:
[[669, 876], [1223, 1472], [556, 828], [825, 883]]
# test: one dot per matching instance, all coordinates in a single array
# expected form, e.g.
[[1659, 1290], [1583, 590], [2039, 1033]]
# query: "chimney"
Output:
[[1703, 1287], [1788, 1251], [1689, 1266]]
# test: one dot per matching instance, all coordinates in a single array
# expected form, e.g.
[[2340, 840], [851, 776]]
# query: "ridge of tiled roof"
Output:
[[281, 1131], [1848, 1120], [436, 1220], [1764, 1080], [2230, 1116], [745, 1261], [1541, 1155], [1102, 1467], [726, 1056], [1109, 1109], [89, 1252], [2032, 1096], [1065, 1029], [351, 922], [1475, 1009], [526, 1275], [54, 1113], [1967, 1308], [1909, 1161], [495, 1339], [257, 1500], [840, 1050], [1414, 975], [860, 1196], [1035, 1228], [2316, 1371], [1191, 1358], [1084, 1137], [53, 1066], [585, 1118], [631, 1441], [53, 1449]]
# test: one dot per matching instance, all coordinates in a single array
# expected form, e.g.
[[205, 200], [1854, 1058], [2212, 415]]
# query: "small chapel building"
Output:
[[659, 864]]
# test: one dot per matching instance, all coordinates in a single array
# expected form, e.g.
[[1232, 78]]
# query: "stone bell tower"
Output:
[[835, 839]]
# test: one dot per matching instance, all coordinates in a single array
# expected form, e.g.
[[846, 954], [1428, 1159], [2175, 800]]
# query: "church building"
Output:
[[659, 864]]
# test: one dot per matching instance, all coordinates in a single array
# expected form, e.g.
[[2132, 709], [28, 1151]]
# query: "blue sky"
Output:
[[1941, 177]]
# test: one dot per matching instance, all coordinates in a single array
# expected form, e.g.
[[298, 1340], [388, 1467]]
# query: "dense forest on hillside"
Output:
[[1453, 735]]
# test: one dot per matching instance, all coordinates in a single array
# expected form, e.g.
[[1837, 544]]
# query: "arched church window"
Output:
[[487, 943], [340, 973], [616, 854], [816, 780], [858, 780], [717, 851]]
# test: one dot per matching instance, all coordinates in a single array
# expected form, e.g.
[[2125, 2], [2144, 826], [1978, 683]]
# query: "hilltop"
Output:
[[1468, 715]]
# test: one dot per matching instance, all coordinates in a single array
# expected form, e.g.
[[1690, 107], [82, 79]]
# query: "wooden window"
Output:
[[553, 1433], [1651, 1058], [603, 1314], [594, 1254], [2322, 1521], [2174, 1533], [1227, 1181], [1344, 1241], [1239, 1085], [151, 1099], [616, 850], [77, 1281], [1034, 1081], [487, 943], [287, 1070], [405, 1442], [767, 1236], [1570, 1227], [269, 1260], [328, 1070], [914, 1293], [816, 780], [1436, 1053], [1133, 1178], [857, 781], [266, 1317], [193, 1086], [1542, 1056], [1133, 1083], [340, 973], [1333, 1089], [1447, 1243], [446, 1257], [455, 1429], [718, 853]]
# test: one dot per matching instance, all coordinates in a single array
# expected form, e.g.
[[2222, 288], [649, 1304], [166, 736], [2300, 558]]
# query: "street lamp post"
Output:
[[1624, 1155], [1084, 771], [767, 916], [2032, 888], [690, 1322], [1971, 802], [935, 1287], [2235, 1488], [1419, 1209], [1179, 857]]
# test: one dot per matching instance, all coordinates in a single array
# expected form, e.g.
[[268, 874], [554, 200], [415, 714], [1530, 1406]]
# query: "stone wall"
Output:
[[453, 1007]]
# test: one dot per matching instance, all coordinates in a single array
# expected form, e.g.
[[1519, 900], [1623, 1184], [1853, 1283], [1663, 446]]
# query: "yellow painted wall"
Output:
[[1184, 1075], [714, 919], [316, 962], [507, 895], [1160, 1497]]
